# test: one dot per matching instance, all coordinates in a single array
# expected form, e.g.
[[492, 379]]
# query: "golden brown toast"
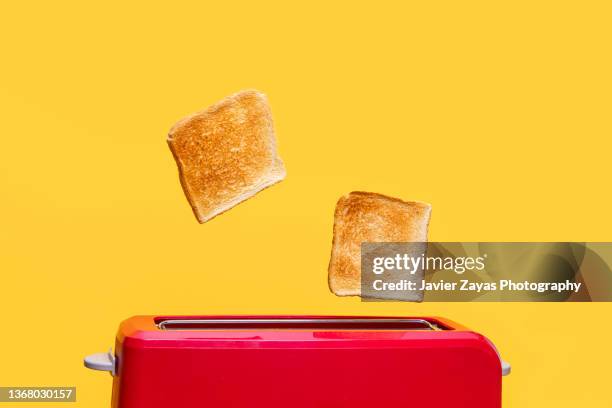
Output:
[[370, 217], [226, 153]]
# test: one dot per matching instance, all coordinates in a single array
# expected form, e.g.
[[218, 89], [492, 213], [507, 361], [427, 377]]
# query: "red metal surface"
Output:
[[303, 368]]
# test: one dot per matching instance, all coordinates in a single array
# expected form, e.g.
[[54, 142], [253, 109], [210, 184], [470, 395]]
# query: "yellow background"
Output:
[[497, 113]]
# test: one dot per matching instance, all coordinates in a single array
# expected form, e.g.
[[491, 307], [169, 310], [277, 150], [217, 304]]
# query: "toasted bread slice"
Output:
[[226, 153], [370, 217]]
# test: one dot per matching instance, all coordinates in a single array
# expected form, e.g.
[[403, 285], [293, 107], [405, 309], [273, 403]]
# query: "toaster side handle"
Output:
[[506, 368], [101, 362]]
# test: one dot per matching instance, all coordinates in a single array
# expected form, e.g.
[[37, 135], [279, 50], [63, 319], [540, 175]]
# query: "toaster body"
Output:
[[300, 361]]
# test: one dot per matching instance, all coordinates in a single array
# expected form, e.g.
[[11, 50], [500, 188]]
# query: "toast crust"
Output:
[[226, 153], [370, 217]]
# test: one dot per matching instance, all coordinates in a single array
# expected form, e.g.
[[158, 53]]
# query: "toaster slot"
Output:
[[328, 324]]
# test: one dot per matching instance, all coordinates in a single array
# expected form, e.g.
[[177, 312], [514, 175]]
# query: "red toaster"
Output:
[[300, 361]]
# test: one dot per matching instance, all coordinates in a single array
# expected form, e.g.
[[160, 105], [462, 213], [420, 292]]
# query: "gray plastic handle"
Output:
[[102, 362], [506, 368]]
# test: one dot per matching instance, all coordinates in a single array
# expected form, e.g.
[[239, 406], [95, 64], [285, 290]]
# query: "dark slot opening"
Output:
[[329, 324]]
